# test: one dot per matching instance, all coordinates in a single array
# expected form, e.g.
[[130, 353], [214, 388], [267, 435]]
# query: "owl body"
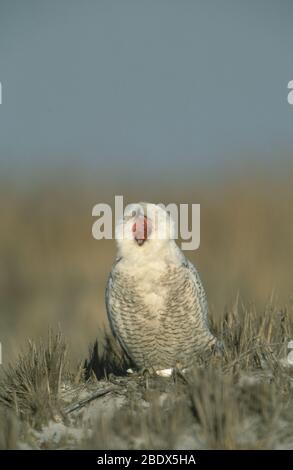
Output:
[[156, 304]]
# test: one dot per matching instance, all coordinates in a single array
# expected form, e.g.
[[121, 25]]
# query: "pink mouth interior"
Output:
[[141, 230]]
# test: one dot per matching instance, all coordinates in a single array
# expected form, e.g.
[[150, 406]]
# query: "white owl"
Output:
[[155, 300]]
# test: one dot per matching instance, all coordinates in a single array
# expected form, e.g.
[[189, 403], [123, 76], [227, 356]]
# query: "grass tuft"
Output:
[[106, 359], [31, 387]]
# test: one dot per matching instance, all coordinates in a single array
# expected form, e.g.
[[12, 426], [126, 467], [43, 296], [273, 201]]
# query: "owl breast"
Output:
[[158, 319]]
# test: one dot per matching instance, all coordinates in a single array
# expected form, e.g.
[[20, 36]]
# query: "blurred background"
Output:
[[163, 101]]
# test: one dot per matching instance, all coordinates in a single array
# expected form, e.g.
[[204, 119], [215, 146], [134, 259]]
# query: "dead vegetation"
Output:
[[9, 429], [31, 386], [53, 272], [242, 399], [106, 358]]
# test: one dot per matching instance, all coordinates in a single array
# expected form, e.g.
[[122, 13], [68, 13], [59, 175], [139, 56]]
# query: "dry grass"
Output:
[[53, 273], [9, 429], [106, 358], [241, 399], [238, 401], [31, 386]]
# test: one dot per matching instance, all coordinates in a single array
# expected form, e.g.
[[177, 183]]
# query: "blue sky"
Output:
[[178, 87]]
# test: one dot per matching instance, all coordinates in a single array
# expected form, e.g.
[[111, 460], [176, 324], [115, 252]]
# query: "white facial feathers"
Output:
[[162, 226], [145, 232]]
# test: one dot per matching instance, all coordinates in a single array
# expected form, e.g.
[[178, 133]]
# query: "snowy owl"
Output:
[[155, 300]]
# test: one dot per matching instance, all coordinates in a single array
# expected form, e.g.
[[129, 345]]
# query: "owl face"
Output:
[[143, 224]]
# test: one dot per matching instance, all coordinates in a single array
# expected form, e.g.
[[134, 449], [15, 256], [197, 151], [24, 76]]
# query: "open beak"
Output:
[[141, 229]]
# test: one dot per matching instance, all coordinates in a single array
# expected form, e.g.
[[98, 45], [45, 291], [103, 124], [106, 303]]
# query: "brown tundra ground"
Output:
[[60, 390]]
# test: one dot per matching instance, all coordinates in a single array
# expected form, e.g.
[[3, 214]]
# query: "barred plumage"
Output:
[[155, 300]]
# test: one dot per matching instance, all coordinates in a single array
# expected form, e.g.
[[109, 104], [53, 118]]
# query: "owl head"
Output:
[[144, 228]]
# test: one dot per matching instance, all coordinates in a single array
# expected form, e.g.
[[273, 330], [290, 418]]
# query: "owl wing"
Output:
[[199, 301], [108, 294], [195, 277], [113, 314]]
